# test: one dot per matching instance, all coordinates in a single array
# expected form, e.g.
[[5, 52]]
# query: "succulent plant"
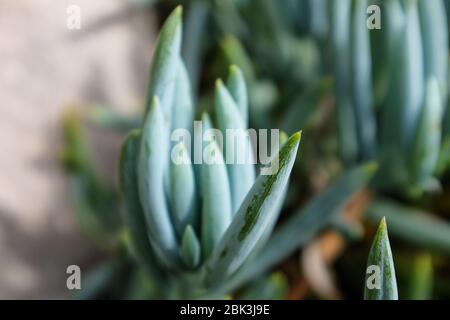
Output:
[[397, 115], [359, 95], [208, 233]]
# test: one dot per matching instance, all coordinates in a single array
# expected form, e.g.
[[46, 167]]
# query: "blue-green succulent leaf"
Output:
[[410, 71], [237, 145], [183, 197], [216, 201], [194, 35], [235, 54], [253, 216], [190, 248], [152, 162], [392, 21], [238, 89], [380, 282], [340, 38], [318, 19], [303, 225], [433, 21], [413, 226], [401, 112], [165, 64], [428, 136], [133, 213], [197, 151], [183, 110], [361, 67]]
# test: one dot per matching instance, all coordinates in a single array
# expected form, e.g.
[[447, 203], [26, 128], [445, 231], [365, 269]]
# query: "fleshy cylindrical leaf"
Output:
[[428, 136], [340, 36], [236, 54], [304, 224], [401, 112], [205, 124], [411, 73], [237, 145], [216, 200], [414, 226], [165, 63], [361, 68], [183, 111], [380, 283], [253, 217], [190, 248], [152, 162], [318, 18], [133, 215], [238, 89], [433, 22], [183, 198]]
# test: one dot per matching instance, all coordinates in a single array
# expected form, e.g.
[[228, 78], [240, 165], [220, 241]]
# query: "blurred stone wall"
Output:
[[44, 67]]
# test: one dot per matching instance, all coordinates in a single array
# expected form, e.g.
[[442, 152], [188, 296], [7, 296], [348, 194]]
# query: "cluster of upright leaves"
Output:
[[381, 283], [196, 219], [390, 83], [282, 63], [398, 118]]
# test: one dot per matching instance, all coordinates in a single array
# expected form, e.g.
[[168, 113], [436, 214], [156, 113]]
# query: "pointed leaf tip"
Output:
[[260, 207], [234, 69], [219, 84], [190, 248], [296, 137], [178, 11], [155, 102], [382, 226]]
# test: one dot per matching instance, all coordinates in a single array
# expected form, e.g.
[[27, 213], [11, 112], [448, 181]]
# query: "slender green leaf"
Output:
[[236, 54], [254, 215], [183, 110], [401, 113], [410, 70], [237, 145], [433, 21], [428, 136], [152, 162], [238, 89], [199, 146], [183, 197], [380, 282], [195, 34], [413, 225], [340, 37], [318, 18], [301, 227], [165, 63], [216, 201], [190, 248], [361, 71], [133, 214]]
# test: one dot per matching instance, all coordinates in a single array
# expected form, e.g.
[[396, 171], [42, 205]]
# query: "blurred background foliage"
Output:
[[358, 95]]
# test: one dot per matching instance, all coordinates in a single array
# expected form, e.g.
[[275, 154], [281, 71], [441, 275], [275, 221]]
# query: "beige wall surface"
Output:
[[44, 67]]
